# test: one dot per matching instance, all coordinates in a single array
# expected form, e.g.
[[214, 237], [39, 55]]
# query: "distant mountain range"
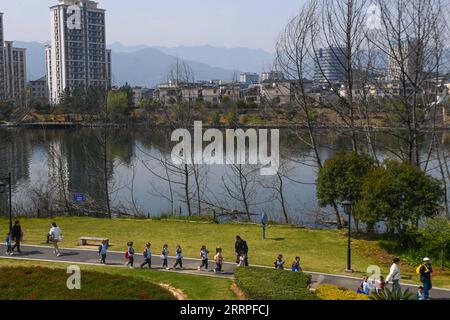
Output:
[[147, 66]]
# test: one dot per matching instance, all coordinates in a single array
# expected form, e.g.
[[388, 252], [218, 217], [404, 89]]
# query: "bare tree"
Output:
[[410, 36]]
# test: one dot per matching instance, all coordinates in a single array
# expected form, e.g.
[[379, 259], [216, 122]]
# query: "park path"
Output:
[[117, 259]]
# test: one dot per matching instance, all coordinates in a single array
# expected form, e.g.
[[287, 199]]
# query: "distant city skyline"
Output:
[[252, 24]]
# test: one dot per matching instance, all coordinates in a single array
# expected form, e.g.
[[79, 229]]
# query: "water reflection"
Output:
[[75, 160]]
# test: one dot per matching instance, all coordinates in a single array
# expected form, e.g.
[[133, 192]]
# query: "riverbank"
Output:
[[137, 125], [320, 250]]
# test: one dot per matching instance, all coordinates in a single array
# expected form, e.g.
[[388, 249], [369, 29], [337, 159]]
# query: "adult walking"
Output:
[[394, 275], [425, 277], [55, 237], [17, 235], [241, 249]]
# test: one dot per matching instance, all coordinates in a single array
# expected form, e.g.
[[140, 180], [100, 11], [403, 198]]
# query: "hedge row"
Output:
[[271, 284]]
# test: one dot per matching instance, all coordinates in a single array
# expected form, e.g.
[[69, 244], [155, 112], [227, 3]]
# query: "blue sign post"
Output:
[[264, 224], [78, 197]]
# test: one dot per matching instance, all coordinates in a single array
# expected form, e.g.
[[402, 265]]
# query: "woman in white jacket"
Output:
[[55, 236], [394, 275]]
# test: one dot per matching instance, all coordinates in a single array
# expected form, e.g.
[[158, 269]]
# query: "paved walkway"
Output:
[[117, 259]]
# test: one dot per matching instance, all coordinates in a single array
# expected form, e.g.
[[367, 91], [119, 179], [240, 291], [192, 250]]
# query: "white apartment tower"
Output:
[[77, 56], [13, 74]]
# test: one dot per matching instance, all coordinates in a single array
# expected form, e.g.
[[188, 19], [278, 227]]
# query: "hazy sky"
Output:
[[230, 23]]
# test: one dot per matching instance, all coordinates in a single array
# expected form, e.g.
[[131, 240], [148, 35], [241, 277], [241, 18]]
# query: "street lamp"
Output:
[[348, 207], [3, 183]]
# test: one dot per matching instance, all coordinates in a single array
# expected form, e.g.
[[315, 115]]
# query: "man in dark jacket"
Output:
[[17, 236], [425, 277], [241, 248]]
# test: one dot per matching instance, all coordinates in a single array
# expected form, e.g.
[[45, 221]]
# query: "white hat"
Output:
[[426, 259]]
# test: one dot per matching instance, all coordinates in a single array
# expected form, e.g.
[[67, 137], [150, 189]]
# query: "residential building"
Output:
[[252, 94], [329, 66], [231, 92], [140, 94], [15, 71], [272, 76], [210, 93], [77, 56], [13, 75], [38, 89], [404, 57], [249, 78], [277, 93]]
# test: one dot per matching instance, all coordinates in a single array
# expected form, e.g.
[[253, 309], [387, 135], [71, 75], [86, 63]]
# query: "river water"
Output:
[[136, 175]]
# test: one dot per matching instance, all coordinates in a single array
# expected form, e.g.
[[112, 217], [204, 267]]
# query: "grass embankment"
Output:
[[320, 250], [271, 284], [26, 283], [194, 287]]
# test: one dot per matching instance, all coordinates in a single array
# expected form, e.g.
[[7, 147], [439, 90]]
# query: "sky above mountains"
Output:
[[232, 23]]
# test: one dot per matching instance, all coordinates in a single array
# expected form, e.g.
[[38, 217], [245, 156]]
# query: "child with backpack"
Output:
[[9, 245], [102, 250], [165, 256], [147, 256], [296, 265], [178, 257], [279, 263], [241, 259], [129, 255], [218, 259], [204, 256]]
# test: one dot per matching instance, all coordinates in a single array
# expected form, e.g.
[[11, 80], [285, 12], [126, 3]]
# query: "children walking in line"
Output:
[[9, 245], [165, 257], [204, 256], [179, 257], [218, 259], [296, 265], [279, 263], [129, 255], [102, 250], [147, 256]]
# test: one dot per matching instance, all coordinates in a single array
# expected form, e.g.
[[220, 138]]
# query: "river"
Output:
[[135, 182]]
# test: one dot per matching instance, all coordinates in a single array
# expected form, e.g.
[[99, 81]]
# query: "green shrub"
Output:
[[331, 292], [215, 119], [388, 294], [271, 284], [232, 118]]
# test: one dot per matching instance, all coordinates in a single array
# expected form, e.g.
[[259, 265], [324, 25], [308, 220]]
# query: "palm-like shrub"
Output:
[[395, 294]]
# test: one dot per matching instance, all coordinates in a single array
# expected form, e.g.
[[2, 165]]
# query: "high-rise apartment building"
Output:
[[13, 74], [77, 56], [405, 60], [249, 78], [330, 65], [16, 72]]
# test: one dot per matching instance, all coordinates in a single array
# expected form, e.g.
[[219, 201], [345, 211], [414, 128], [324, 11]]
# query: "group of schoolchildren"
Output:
[[424, 270], [147, 253], [295, 266]]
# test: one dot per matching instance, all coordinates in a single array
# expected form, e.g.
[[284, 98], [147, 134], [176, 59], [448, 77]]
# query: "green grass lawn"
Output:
[[39, 283], [320, 250], [194, 287]]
